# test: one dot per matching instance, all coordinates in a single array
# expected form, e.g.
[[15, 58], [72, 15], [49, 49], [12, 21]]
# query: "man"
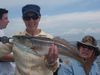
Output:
[[88, 51], [27, 63], [6, 67]]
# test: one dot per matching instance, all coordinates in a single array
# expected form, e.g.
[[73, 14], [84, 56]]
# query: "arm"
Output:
[[5, 49], [8, 58]]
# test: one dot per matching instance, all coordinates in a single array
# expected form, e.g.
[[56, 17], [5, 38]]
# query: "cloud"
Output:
[[73, 23], [92, 30], [51, 3], [76, 34], [72, 19], [53, 6], [75, 31]]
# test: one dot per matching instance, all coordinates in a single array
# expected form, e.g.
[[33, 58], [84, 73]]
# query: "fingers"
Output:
[[53, 53], [56, 51], [50, 53]]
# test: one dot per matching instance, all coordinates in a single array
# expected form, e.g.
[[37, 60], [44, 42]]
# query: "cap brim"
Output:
[[86, 44]]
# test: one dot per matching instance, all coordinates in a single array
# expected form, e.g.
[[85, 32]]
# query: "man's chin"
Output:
[[84, 56]]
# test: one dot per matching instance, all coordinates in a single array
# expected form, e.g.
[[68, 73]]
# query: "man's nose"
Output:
[[86, 49]]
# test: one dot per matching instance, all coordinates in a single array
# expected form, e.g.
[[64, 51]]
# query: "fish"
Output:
[[40, 46]]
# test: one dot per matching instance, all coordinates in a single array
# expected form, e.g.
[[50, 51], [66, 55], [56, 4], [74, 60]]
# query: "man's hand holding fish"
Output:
[[51, 57]]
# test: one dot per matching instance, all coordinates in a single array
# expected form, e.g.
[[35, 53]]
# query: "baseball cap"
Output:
[[31, 8]]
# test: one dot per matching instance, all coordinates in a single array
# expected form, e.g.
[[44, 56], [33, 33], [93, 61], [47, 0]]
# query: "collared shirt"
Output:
[[42, 34], [74, 67], [6, 68], [27, 63], [1, 33]]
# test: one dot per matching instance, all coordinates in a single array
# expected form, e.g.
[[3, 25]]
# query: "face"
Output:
[[4, 21], [31, 21], [86, 52]]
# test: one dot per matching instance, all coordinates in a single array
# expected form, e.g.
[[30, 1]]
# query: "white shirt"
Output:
[[6, 68], [1, 33]]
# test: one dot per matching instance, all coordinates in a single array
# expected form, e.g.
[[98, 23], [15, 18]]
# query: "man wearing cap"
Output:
[[27, 63], [88, 51]]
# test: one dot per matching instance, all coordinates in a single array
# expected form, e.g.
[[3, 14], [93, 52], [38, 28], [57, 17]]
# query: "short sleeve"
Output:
[[65, 69]]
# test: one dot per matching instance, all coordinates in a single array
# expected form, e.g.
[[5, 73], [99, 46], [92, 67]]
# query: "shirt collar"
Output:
[[42, 34]]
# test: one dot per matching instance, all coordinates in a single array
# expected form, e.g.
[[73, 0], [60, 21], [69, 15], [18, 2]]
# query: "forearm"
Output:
[[5, 49], [7, 58]]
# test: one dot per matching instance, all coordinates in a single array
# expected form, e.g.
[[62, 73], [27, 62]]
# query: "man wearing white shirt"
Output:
[[1, 33], [6, 67]]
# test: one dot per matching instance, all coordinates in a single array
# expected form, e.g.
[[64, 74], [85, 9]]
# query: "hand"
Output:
[[7, 58], [4, 39], [52, 54]]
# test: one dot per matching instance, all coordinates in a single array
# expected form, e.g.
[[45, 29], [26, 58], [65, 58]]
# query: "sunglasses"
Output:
[[34, 17], [88, 47]]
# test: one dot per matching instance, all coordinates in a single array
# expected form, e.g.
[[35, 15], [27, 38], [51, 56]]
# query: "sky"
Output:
[[69, 19]]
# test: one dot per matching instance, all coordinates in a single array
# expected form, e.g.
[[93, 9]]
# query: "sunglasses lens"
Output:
[[34, 17], [88, 47], [26, 17]]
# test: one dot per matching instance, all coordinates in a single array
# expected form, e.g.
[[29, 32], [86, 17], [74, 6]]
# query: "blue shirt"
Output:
[[75, 68]]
